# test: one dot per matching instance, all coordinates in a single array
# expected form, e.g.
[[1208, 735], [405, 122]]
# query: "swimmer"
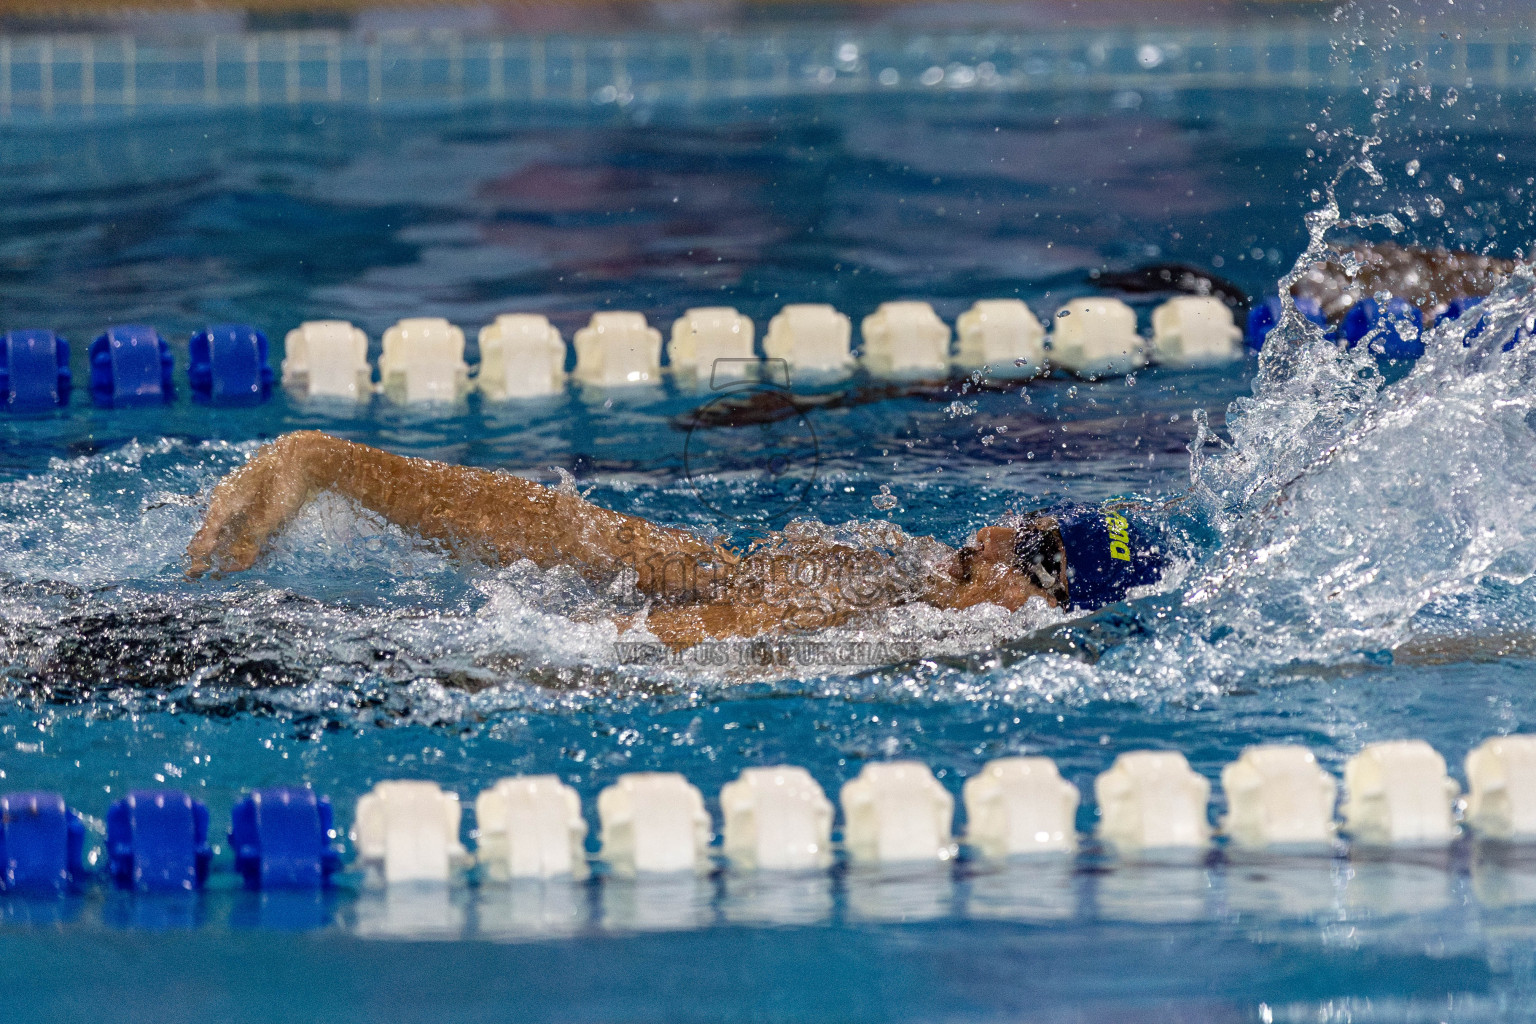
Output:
[[1428, 278], [692, 589]]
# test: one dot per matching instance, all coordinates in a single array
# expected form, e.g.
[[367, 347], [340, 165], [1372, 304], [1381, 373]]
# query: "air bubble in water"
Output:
[[1451, 96], [1412, 168]]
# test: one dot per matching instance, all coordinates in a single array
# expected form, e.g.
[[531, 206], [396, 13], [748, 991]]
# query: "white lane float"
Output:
[[1193, 331], [1002, 336], [1020, 805], [654, 823], [522, 355], [1152, 800], [812, 338], [1096, 337], [531, 827], [328, 359], [1397, 793], [616, 349], [1278, 796], [905, 339], [1501, 788], [408, 830], [423, 361], [776, 819], [897, 812], [711, 345]]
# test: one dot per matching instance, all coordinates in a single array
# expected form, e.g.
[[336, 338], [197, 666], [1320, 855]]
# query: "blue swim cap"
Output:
[[1110, 549]]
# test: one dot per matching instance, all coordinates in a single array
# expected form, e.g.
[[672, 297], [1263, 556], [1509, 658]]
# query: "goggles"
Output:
[[1038, 553]]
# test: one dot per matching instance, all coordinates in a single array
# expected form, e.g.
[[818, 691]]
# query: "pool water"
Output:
[[1360, 590]]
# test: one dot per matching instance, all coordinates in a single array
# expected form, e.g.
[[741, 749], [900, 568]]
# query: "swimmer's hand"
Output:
[[251, 504]]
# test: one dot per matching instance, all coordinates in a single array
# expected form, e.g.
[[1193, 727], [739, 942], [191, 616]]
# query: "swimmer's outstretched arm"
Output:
[[480, 514]]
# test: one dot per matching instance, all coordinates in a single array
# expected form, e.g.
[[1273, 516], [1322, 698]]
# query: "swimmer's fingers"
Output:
[[221, 551], [224, 506], [225, 543], [246, 508]]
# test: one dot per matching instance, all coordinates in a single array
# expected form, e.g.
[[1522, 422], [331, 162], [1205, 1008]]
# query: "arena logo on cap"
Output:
[[1119, 536]]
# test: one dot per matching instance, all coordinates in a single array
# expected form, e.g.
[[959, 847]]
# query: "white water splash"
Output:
[[1348, 505]]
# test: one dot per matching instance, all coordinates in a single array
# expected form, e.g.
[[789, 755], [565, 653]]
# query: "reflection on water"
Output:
[[1255, 891], [410, 911], [532, 909], [283, 910], [26, 910], [900, 892], [1398, 885], [777, 897], [658, 903], [1046, 889], [154, 911], [1286, 888], [1155, 893], [1504, 875]]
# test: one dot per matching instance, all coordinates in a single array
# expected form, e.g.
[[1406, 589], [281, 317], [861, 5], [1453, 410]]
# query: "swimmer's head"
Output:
[[1038, 553], [1074, 556], [1014, 560]]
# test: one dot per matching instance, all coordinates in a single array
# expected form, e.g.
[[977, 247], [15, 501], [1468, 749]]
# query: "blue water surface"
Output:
[[350, 655]]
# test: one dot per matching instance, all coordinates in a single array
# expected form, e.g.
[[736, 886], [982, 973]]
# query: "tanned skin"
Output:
[[1428, 278], [697, 589]]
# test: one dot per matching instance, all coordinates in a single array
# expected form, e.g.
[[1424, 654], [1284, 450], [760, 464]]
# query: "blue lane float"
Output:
[[1399, 327], [281, 838], [34, 370], [1399, 794], [1462, 309], [42, 843], [227, 365], [1264, 317], [1457, 308], [158, 841], [131, 365]]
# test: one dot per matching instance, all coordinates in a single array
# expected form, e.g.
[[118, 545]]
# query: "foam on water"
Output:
[[1354, 515], [345, 615]]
